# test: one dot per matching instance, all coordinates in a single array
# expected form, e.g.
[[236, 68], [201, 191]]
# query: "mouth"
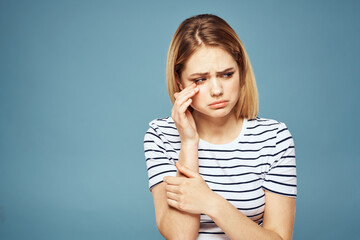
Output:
[[218, 104]]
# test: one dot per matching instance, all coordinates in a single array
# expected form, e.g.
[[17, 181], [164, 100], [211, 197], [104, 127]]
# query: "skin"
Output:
[[212, 125], [189, 193]]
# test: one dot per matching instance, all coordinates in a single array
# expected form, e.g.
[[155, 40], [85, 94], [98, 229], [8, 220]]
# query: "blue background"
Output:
[[81, 80]]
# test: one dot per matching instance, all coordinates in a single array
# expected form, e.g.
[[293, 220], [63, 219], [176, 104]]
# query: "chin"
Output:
[[214, 113]]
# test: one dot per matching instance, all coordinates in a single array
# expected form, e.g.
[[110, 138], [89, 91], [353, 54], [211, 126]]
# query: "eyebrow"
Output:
[[204, 74]]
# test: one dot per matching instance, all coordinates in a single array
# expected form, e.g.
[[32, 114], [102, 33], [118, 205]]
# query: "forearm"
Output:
[[234, 223], [188, 156], [176, 224]]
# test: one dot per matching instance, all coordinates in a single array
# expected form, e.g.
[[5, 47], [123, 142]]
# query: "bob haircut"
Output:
[[211, 30]]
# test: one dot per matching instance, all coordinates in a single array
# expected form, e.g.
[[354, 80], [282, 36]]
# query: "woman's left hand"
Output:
[[189, 194]]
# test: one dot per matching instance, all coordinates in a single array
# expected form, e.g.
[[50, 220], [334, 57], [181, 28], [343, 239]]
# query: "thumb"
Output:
[[186, 171]]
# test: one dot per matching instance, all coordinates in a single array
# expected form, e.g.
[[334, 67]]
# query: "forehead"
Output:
[[207, 59]]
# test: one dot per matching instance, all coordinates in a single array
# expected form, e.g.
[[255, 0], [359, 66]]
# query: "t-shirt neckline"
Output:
[[236, 140]]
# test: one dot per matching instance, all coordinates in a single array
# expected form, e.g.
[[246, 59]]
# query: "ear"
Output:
[[180, 86], [178, 82]]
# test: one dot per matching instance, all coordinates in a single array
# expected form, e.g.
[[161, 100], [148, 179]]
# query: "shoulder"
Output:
[[263, 123], [162, 128], [164, 124], [267, 125]]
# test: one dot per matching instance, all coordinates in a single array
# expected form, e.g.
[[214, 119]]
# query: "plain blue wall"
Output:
[[80, 80]]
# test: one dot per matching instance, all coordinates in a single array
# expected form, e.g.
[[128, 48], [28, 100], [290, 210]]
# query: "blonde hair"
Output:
[[211, 30]]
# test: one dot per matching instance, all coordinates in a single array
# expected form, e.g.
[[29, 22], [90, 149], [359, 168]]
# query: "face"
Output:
[[216, 73]]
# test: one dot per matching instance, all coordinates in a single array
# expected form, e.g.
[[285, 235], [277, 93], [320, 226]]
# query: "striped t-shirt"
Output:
[[261, 157]]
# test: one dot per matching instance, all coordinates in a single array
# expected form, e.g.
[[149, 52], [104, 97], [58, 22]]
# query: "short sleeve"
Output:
[[158, 163], [280, 177]]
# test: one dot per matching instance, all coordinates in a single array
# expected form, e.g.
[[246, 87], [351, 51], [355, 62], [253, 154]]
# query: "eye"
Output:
[[228, 75], [198, 80]]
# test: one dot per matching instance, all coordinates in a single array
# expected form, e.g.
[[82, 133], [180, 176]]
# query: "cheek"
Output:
[[198, 97]]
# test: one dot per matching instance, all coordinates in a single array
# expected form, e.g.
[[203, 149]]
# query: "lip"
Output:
[[218, 104]]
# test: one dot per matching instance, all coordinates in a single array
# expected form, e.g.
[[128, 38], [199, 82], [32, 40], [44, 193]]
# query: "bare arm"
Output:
[[278, 220], [171, 222]]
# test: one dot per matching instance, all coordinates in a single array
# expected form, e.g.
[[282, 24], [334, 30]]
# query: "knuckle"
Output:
[[182, 206]]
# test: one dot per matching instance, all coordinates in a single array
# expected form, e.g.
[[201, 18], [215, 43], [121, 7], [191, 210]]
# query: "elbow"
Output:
[[175, 234], [182, 237]]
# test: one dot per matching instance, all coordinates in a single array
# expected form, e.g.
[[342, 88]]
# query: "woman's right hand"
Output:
[[182, 117]]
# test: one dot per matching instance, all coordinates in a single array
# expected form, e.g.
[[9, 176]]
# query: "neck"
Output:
[[216, 129]]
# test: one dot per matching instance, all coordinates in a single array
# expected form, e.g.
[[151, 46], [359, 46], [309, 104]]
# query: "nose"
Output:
[[215, 87]]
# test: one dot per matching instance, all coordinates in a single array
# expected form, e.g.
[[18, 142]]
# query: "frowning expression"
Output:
[[216, 73]]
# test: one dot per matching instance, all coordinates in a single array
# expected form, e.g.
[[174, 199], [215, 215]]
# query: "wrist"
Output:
[[190, 142], [214, 205]]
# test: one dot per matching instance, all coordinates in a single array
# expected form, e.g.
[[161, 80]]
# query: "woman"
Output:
[[214, 164]]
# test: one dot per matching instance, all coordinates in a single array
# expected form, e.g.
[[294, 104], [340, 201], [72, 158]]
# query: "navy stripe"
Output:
[[260, 218], [255, 214], [283, 150], [236, 183], [281, 175], [236, 166], [154, 135], [162, 173], [169, 134], [252, 208], [159, 165], [160, 126], [231, 175], [171, 150], [258, 141], [282, 130], [285, 184], [257, 134], [283, 140], [244, 209], [258, 120], [156, 158], [160, 134], [153, 150], [235, 150], [237, 158], [208, 222], [290, 156], [231, 191], [211, 233], [245, 200], [164, 119], [262, 125], [151, 141], [286, 194], [155, 184], [285, 166]]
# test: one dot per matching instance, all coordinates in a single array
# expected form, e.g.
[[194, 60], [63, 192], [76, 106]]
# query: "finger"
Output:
[[186, 171], [173, 180], [187, 89], [172, 196], [184, 99], [186, 104], [173, 203], [186, 94], [172, 188]]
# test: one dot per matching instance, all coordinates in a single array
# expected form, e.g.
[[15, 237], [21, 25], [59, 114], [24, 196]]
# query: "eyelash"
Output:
[[201, 79]]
